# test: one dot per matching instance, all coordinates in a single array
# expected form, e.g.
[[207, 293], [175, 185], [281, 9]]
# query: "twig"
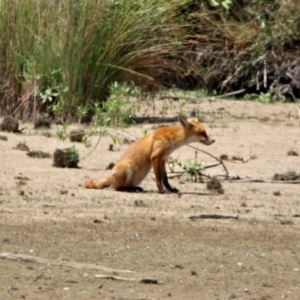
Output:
[[68, 264], [154, 120], [93, 148], [182, 97], [129, 137], [199, 100], [213, 216], [234, 179], [216, 158], [111, 130], [212, 166], [286, 181], [230, 94], [142, 280]]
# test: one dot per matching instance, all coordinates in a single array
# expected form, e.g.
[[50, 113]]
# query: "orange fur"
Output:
[[151, 151]]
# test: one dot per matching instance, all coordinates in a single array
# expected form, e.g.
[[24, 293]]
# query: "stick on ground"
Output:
[[216, 158], [142, 280], [68, 264], [213, 216]]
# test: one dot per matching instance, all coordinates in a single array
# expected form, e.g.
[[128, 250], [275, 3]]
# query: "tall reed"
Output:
[[72, 50]]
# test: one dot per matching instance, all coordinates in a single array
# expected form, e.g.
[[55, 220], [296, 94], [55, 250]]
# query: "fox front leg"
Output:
[[160, 173], [165, 178]]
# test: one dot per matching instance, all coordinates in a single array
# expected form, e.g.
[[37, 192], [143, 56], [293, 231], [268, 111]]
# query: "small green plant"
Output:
[[217, 3], [193, 169], [173, 162], [73, 154], [145, 131], [66, 158], [182, 103], [265, 97], [62, 133], [51, 88], [200, 117], [81, 112], [119, 111]]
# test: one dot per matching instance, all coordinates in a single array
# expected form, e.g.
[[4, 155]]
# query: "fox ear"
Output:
[[193, 114], [184, 122]]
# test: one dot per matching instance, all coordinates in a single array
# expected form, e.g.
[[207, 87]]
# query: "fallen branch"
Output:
[[154, 120], [176, 98], [198, 100], [127, 136], [68, 264], [238, 179], [230, 94], [111, 130], [216, 158], [142, 280], [286, 181], [213, 216]]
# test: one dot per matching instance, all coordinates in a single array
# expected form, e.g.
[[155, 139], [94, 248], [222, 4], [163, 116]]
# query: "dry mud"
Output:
[[46, 213]]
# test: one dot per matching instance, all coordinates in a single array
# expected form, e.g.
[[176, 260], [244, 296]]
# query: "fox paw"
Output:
[[168, 191]]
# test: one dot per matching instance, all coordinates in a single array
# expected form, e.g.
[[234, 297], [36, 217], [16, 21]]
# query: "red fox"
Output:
[[152, 150]]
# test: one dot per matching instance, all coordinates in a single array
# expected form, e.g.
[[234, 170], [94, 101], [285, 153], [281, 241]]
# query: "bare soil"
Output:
[[46, 213]]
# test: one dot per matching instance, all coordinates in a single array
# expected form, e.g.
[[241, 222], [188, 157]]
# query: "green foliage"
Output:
[[72, 154], [265, 97], [119, 111], [225, 4], [67, 54], [89, 44], [193, 168], [62, 133]]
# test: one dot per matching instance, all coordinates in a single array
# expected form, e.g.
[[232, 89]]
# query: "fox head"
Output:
[[195, 132]]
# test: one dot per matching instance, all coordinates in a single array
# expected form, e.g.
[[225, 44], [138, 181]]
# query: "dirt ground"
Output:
[[46, 213]]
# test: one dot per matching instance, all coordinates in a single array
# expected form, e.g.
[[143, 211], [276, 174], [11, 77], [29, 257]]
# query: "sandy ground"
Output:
[[46, 213]]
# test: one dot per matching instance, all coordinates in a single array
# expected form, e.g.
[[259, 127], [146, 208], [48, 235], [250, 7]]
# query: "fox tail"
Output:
[[98, 183]]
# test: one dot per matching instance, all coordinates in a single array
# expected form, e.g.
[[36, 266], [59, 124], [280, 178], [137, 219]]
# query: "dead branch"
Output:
[[199, 100], [216, 158], [154, 120], [100, 136], [212, 166], [213, 216], [230, 94], [127, 136], [246, 180], [68, 264], [182, 97], [113, 131], [286, 181], [142, 280]]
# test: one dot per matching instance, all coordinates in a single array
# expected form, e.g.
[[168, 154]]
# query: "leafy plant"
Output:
[[265, 97], [81, 112], [72, 154], [225, 4], [119, 111], [193, 169], [62, 133], [75, 50]]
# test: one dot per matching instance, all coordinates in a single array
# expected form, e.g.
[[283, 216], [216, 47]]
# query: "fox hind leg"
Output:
[[121, 180], [98, 183], [131, 189]]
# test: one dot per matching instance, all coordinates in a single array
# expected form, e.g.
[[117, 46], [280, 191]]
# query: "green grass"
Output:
[[73, 50], [64, 55]]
